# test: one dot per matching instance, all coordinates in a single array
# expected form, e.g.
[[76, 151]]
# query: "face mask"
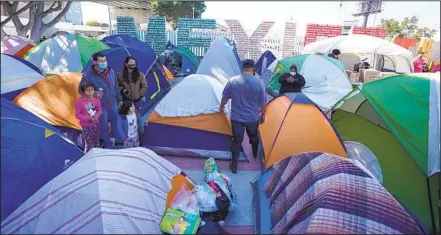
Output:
[[132, 67], [292, 73], [102, 66]]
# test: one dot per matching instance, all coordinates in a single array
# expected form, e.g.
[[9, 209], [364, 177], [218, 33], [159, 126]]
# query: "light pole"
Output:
[[193, 10]]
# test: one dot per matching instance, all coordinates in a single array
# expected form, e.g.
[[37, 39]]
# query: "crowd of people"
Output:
[[111, 97], [114, 97]]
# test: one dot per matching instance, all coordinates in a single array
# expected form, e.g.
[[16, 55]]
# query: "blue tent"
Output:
[[264, 61], [32, 153], [121, 40], [147, 64], [17, 74]]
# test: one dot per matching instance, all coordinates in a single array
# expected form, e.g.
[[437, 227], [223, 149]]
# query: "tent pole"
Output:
[[110, 19], [432, 216]]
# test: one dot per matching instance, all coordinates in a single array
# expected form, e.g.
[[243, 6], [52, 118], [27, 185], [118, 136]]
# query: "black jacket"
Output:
[[296, 86]]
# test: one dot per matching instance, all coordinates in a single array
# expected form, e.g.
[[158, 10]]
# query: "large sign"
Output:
[[185, 37], [126, 25], [371, 31], [289, 38], [155, 36], [248, 47], [316, 31]]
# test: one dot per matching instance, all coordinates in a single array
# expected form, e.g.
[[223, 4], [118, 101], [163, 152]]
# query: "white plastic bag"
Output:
[[205, 197], [185, 201]]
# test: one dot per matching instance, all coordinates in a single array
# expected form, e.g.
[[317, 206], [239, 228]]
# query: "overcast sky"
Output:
[[251, 13]]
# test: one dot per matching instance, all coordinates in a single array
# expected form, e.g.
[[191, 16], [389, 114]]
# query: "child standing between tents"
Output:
[[88, 111], [132, 124]]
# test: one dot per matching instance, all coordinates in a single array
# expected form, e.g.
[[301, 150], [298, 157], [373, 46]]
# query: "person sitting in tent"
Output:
[[292, 81], [248, 104], [361, 65], [105, 82], [335, 53], [132, 82]]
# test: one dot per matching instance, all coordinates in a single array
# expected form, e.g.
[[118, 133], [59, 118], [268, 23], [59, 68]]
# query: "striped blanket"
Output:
[[318, 193], [105, 192]]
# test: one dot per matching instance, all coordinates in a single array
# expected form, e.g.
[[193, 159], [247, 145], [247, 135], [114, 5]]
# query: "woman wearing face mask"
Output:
[[132, 82], [292, 81]]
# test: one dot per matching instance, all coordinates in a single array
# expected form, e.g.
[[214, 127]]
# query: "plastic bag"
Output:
[[205, 197], [185, 201], [210, 167], [225, 185]]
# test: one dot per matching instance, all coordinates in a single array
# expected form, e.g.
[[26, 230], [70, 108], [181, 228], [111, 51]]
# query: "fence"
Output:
[[299, 43], [172, 36]]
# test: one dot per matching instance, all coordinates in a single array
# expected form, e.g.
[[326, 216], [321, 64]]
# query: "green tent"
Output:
[[64, 52], [398, 119], [326, 78]]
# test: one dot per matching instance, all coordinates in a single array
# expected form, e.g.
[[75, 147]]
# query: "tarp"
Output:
[[265, 60], [16, 75], [365, 45], [97, 196], [190, 113], [398, 119], [294, 124], [221, 61], [326, 78], [157, 85], [16, 45], [126, 41], [32, 153], [64, 53], [320, 193], [53, 99]]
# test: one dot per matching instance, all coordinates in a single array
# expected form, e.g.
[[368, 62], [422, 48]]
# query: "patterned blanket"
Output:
[[318, 193]]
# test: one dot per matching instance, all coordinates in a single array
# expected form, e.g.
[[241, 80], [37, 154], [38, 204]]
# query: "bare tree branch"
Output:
[[52, 8], [15, 14], [58, 17]]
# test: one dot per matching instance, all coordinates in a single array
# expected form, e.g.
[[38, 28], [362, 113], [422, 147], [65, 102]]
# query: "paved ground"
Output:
[[241, 220]]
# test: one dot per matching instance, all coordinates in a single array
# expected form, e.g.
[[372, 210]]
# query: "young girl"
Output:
[[88, 111], [132, 124]]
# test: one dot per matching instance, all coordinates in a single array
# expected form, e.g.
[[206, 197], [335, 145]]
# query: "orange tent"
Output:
[[293, 125], [53, 99]]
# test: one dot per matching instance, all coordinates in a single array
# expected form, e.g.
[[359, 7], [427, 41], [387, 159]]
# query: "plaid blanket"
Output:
[[316, 193]]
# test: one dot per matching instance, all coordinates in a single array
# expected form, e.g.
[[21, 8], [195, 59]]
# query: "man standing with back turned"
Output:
[[247, 94]]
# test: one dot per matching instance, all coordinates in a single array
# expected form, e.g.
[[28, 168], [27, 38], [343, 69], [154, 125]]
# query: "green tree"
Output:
[[38, 12], [406, 28], [172, 11], [93, 23]]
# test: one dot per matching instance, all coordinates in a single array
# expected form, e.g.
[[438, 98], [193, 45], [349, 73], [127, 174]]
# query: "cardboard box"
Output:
[[387, 74], [354, 77], [367, 75]]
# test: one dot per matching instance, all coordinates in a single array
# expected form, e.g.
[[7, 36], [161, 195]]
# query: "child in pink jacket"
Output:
[[88, 111]]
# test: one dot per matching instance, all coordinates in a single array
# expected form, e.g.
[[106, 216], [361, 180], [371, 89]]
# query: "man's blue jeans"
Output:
[[112, 115]]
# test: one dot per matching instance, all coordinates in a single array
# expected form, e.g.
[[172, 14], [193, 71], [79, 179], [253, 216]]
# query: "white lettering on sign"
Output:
[[249, 45], [289, 38]]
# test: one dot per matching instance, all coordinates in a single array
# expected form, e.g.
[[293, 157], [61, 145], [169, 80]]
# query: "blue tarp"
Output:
[[264, 61], [261, 204], [121, 40], [32, 153]]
